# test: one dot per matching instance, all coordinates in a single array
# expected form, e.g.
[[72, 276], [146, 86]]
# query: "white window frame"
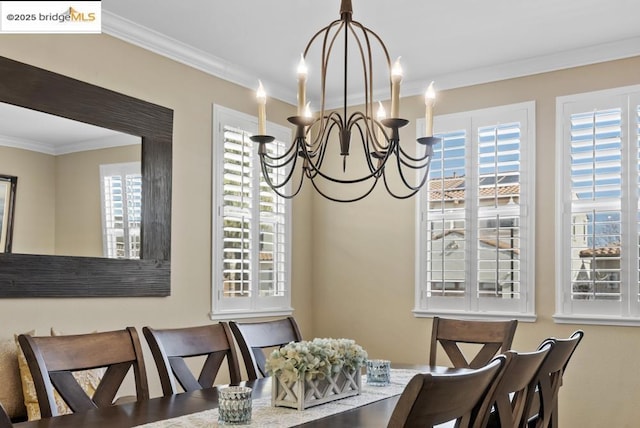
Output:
[[626, 311], [123, 170], [254, 305], [471, 306]]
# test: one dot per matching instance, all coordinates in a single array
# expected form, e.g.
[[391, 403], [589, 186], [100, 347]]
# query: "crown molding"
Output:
[[153, 41], [156, 42], [63, 149]]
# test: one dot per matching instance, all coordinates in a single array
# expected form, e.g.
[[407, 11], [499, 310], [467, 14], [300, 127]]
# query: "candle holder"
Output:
[[378, 372], [395, 124], [262, 140], [429, 141], [234, 405]]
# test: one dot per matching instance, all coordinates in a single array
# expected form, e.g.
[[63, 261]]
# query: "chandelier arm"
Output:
[[382, 45], [354, 120], [322, 30], [321, 144], [358, 115], [286, 154], [324, 145], [333, 117], [368, 71], [265, 173], [276, 189], [398, 196], [428, 153], [427, 165], [331, 198], [326, 55]]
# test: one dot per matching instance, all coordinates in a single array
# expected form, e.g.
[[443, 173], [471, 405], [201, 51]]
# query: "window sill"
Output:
[[423, 313], [235, 315], [596, 320]]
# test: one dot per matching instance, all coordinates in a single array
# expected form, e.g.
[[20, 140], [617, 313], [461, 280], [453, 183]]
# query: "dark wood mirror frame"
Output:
[[27, 275]]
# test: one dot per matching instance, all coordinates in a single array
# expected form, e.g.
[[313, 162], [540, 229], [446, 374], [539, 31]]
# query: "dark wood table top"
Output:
[[156, 409]]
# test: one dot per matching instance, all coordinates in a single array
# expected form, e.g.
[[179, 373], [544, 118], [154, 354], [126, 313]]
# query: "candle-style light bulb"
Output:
[[382, 113], [302, 81], [396, 78], [261, 97], [307, 110], [429, 101]]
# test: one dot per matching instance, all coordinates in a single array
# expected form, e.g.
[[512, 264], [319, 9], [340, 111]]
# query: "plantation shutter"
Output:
[[476, 222], [596, 203], [252, 225], [599, 213], [122, 209], [237, 215]]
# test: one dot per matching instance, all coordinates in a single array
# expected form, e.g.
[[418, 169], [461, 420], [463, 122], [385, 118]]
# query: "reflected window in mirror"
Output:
[[8, 185], [121, 190]]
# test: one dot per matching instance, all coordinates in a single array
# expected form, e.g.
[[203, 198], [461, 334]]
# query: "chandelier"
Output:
[[376, 139]]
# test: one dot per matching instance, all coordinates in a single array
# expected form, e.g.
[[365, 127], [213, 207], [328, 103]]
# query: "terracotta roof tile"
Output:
[[612, 251]]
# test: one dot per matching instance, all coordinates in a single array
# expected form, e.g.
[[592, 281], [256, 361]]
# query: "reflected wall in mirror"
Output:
[[29, 275], [8, 185], [60, 210]]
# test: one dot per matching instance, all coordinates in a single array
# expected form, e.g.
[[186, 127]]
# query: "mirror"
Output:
[[61, 209], [28, 275], [8, 184]]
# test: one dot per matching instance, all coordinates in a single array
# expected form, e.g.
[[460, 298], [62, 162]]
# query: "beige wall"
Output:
[[334, 295], [113, 64], [34, 225], [373, 305], [78, 207]]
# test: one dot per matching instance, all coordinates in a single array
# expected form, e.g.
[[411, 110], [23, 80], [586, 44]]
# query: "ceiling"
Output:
[[54, 135], [452, 42]]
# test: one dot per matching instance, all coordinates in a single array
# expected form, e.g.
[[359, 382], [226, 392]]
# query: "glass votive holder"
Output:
[[234, 405], [378, 372]]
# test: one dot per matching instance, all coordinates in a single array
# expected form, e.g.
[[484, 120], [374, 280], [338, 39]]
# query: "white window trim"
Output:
[[225, 116], [562, 277], [528, 273], [123, 169]]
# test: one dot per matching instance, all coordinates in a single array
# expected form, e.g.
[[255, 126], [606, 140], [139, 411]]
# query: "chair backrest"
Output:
[[172, 348], [5, 421], [505, 405], [254, 338], [542, 406], [430, 399], [492, 336], [53, 359]]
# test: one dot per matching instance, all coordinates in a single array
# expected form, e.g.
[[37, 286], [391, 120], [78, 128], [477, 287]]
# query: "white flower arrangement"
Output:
[[315, 359]]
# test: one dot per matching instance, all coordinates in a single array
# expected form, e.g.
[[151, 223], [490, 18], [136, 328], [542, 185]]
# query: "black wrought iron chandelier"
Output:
[[334, 130]]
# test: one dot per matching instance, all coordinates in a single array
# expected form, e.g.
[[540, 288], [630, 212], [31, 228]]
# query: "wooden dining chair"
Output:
[[490, 337], [505, 406], [433, 398], [542, 406], [255, 339], [52, 361], [5, 421], [172, 348]]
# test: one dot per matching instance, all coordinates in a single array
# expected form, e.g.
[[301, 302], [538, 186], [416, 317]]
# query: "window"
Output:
[[475, 252], [251, 226], [121, 188], [597, 211]]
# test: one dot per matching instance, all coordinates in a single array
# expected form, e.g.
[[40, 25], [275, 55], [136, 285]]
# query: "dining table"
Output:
[[171, 411]]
